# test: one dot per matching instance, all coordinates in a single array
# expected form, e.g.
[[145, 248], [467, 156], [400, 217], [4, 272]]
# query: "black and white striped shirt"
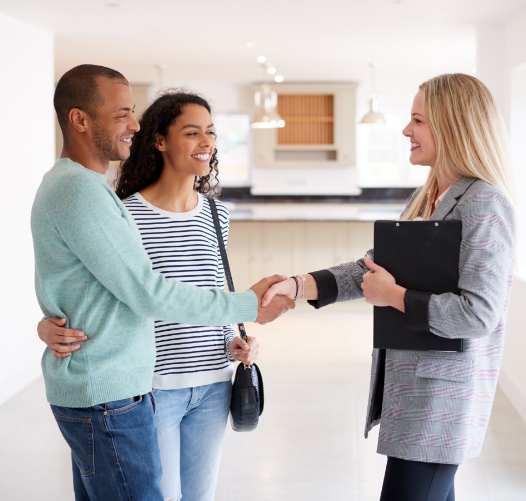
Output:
[[183, 246]]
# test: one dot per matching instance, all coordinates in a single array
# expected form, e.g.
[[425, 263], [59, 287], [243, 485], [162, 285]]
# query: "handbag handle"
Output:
[[226, 266]]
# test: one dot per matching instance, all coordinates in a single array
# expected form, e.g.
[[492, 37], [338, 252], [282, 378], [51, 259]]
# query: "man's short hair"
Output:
[[78, 89]]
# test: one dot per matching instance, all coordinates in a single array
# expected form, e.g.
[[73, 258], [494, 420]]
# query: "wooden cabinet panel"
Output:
[[319, 127], [309, 119]]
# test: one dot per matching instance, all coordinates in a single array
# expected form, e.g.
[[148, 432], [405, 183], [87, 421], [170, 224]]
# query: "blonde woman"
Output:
[[433, 407]]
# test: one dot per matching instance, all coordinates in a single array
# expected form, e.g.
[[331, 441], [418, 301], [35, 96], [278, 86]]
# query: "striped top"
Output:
[[183, 246]]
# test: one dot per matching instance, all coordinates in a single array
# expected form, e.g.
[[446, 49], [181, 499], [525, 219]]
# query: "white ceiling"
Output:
[[307, 40]]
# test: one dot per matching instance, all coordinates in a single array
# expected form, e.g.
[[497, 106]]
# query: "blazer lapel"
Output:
[[458, 188]]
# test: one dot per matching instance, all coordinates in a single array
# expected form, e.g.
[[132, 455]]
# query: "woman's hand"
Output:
[[285, 288], [50, 331], [380, 288], [247, 353], [307, 289]]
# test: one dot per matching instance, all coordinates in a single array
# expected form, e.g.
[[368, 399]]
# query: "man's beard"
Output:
[[104, 144]]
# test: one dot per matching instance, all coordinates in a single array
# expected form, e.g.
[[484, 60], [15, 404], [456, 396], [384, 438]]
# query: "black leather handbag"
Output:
[[247, 389]]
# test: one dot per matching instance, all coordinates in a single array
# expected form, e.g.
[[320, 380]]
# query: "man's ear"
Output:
[[160, 142], [78, 119]]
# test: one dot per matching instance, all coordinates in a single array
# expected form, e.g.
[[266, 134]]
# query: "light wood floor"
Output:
[[309, 445]]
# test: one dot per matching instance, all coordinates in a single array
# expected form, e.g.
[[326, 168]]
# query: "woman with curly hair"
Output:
[[163, 184]]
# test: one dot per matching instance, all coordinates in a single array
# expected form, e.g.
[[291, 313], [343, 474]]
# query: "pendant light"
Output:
[[373, 116], [267, 116], [266, 100]]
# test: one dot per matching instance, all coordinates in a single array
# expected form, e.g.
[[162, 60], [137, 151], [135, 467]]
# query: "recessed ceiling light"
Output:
[[279, 78], [261, 59], [249, 45], [271, 70]]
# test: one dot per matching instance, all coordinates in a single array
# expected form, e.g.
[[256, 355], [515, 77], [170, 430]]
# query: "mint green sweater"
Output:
[[92, 269]]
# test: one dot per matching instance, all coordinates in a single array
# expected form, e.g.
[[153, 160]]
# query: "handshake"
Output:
[[274, 298], [276, 293]]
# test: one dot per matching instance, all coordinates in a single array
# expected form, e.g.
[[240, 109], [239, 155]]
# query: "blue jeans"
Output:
[[191, 426], [114, 449]]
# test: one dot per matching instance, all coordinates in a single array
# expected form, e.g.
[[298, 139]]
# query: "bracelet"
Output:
[[297, 287], [302, 286]]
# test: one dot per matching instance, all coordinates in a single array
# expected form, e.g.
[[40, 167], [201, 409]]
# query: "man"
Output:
[[91, 269]]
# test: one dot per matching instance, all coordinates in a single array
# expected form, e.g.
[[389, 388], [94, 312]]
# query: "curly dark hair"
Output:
[[145, 163]]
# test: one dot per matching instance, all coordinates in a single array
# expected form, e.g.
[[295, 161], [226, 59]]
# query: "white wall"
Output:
[[513, 373], [516, 95], [27, 143], [517, 126], [491, 65]]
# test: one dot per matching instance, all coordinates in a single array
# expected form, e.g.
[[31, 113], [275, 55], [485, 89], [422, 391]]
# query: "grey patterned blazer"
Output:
[[436, 405]]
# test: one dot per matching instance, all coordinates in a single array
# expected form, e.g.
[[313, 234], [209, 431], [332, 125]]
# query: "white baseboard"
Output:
[[513, 391], [17, 382]]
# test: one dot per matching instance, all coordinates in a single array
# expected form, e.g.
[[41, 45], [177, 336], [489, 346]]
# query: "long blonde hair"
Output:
[[469, 135]]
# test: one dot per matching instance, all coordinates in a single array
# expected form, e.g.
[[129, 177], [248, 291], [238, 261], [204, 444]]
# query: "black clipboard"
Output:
[[422, 256]]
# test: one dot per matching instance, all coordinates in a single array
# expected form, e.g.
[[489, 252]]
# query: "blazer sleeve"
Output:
[[344, 282], [485, 272], [340, 283]]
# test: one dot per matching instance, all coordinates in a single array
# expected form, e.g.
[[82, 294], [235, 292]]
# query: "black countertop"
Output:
[[242, 195]]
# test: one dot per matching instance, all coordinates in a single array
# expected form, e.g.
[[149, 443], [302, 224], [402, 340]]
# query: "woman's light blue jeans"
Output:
[[191, 426]]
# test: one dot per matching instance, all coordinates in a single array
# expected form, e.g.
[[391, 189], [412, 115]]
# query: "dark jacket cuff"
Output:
[[327, 288], [417, 310]]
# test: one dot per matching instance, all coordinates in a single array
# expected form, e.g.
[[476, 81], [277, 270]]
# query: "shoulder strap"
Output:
[[222, 250]]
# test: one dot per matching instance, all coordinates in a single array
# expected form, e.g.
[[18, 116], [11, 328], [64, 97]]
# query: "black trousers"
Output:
[[416, 481]]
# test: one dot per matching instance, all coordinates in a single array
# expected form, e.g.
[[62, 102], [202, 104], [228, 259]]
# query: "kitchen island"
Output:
[[289, 238]]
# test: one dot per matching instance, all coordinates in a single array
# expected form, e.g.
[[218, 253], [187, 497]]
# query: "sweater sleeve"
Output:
[[99, 231]]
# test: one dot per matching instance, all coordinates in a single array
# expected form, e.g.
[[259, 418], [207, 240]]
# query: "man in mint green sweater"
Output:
[[92, 269]]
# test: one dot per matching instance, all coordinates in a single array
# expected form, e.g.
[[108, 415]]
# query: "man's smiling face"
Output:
[[113, 125]]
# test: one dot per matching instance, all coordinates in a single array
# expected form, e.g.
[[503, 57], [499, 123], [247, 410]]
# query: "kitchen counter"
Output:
[[323, 212]]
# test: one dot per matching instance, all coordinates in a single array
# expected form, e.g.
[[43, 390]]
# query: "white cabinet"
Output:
[[259, 249]]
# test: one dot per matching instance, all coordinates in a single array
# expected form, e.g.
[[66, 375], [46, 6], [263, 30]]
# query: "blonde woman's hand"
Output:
[[379, 287], [273, 309], [286, 287]]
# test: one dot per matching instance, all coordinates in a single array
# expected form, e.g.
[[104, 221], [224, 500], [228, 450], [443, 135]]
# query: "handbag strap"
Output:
[[226, 266]]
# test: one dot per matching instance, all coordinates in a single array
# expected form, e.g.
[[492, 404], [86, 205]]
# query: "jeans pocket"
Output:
[[78, 433], [120, 406]]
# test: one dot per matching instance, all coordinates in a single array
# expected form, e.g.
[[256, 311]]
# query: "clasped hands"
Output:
[[273, 307]]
